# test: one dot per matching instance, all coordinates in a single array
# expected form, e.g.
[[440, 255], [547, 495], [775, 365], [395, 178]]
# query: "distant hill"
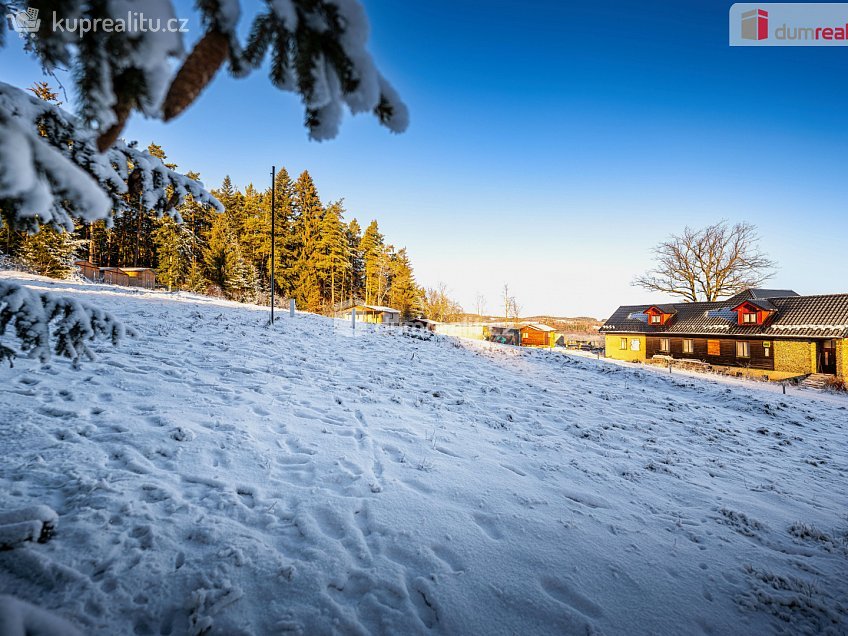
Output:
[[575, 325]]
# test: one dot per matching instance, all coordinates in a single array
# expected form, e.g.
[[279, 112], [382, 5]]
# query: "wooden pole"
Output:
[[292, 305]]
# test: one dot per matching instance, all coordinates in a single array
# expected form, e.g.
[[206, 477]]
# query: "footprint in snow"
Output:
[[488, 524], [565, 593]]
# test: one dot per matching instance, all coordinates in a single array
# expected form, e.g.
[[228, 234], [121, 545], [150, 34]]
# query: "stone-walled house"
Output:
[[776, 332]]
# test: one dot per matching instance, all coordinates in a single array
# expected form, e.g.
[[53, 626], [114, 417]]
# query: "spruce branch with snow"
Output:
[[33, 315], [52, 172], [317, 50]]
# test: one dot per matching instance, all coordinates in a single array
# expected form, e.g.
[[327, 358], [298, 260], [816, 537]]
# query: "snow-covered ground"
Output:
[[216, 475]]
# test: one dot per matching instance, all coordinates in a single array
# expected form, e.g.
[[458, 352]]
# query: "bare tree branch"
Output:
[[708, 264]]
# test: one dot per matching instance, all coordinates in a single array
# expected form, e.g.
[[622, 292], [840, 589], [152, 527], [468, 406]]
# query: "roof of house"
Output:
[[137, 269], [538, 326], [665, 308], [757, 292], [377, 308], [793, 316]]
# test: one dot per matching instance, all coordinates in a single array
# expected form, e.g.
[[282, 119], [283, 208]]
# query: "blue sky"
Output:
[[553, 144]]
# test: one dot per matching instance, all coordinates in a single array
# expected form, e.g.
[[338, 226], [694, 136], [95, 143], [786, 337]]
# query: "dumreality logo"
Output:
[[788, 24], [24, 21], [755, 25]]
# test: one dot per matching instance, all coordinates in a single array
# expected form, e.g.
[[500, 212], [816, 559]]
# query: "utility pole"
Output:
[[273, 215]]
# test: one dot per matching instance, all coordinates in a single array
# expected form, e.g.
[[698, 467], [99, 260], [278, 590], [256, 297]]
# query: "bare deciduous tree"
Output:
[[708, 264], [480, 304], [511, 306], [515, 308], [438, 305]]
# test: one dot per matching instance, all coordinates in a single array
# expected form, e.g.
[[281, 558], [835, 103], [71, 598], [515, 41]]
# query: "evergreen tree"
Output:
[[49, 252], [215, 254], [233, 202], [306, 228], [284, 222], [196, 280], [355, 283], [256, 233], [373, 257], [333, 253], [196, 223], [173, 243], [226, 267], [404, 293]]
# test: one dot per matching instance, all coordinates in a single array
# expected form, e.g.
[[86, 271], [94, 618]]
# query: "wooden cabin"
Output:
[[374, 314], [114, 276], [88, 271], [140, 277], [537, 335], [777, 333]]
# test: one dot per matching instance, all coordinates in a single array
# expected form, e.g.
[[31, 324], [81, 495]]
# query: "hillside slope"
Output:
[[216, 475]]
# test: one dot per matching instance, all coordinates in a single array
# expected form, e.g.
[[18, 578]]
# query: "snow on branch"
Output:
[[31, 315], [317, 50], [53, 171]]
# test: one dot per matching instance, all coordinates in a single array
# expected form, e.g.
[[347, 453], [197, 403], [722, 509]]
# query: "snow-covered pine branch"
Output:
[[317, 49], [31, 315], [52, 171]]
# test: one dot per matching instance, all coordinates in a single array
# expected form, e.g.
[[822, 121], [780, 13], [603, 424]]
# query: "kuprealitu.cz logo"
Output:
[[26, 22], [789, 24]]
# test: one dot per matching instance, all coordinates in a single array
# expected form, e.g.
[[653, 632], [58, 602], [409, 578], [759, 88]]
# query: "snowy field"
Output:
[[218, 476]]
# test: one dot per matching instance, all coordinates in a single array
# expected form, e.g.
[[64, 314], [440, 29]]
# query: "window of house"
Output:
[[664, 344], [688, 346], [749, 319], [635, 345], [743, 349], [623, 344], [713, 347], [656, 319]]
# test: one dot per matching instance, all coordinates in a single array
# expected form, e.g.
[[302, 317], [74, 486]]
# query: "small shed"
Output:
[[422, 323], [140, 276], [114, 276], [375, 314], [537, 335], [88, 271]]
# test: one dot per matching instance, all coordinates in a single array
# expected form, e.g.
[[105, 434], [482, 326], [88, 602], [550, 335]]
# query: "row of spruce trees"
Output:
[[322, 260]]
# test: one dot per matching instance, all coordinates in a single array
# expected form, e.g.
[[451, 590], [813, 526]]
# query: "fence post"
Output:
[[353, 319], [291, 307]]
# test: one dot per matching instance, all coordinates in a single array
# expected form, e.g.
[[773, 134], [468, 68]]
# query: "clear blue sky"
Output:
[[552, 144]]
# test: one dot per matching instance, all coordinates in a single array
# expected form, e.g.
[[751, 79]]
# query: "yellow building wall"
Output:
[[795, 357], [612, 342], [842, 358]]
